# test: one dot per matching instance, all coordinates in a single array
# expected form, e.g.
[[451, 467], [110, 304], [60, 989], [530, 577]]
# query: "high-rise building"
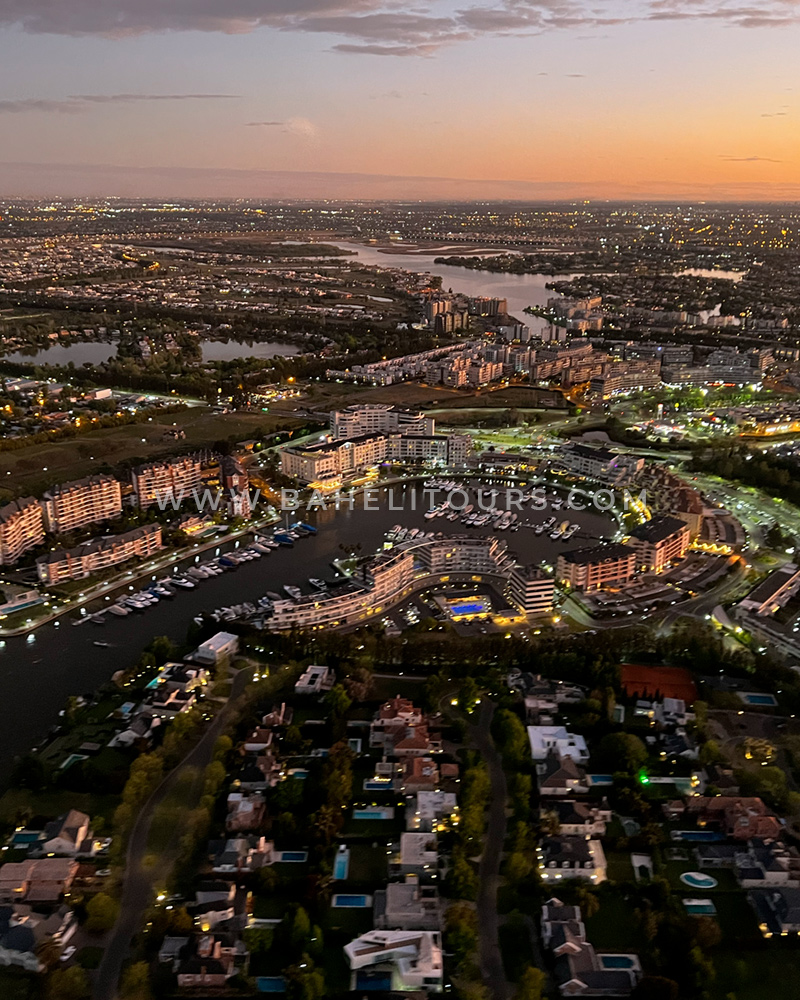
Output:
[[531, 590], [82, 502]]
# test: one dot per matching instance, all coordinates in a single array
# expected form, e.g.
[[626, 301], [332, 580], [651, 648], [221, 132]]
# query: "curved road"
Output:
[[138, 887], [490, 957]]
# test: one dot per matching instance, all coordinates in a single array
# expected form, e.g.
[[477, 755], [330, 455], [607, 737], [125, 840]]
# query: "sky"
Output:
[[376, 99]]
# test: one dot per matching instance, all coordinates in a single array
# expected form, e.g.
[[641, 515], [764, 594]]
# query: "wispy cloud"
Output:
[[750, 159], [78, 103], [301, 127]]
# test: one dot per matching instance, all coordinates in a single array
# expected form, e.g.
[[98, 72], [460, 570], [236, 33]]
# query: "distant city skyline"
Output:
[[358, 98]]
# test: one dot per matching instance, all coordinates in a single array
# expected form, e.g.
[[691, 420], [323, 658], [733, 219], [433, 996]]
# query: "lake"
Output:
[[98, 353]]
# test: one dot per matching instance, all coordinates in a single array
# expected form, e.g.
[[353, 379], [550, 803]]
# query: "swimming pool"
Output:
[[374, 982], [750, 698], [271, 984], [341, 864], [601, 779], [618, 961], [698, 881], [382, 812], [378, 784], [343, 901], [294, 856], [700, 907]]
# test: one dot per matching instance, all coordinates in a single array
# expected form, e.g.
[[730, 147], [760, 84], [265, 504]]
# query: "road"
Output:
[[490, 957], [139, 884]]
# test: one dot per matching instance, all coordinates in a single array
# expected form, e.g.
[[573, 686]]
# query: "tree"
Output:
[[461, 881], [622, 752], [135, 983], [655, 988], [531, 984], [461, 930], [102, 913], [303, 981], [68, 984]]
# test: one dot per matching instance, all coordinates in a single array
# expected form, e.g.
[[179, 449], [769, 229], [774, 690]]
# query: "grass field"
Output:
[[23, 471]]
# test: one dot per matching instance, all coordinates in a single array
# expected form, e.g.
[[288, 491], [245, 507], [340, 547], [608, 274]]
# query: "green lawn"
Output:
[[771, 973], [54, 802], [614, 927], [515, 946], [18, 985]]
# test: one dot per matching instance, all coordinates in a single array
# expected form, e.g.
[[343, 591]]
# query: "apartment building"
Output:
[[531, 590], [379, 418], [659, 541], [21, 529], [624, 376], [169, 478], [82, 502], [596, 566], [329, 463], [601, 463], [101, 553]]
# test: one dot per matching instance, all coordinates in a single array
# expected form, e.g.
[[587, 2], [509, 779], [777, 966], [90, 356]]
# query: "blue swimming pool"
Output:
[[617, 961], [700, 907], [341, 865], [701, 836], [759, 699], [25, 837], [385, 812], [294, 856], [271, 984], [697, 880], [376, 785], [343, 901], [374, 982]]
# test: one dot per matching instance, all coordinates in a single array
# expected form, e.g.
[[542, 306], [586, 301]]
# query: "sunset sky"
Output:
[[614, 98]]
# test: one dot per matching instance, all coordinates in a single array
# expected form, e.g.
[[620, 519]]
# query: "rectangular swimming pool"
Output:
[[295, 856], [341, 865], [699, 836], [766, 700], [343, 901], [618, 961], [700, 907], [381, 812]]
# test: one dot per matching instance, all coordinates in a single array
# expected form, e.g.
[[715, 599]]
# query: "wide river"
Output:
[[40, 672]]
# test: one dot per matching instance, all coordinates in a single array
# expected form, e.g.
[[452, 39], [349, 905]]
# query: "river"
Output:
[[521, 290], [39, 675]]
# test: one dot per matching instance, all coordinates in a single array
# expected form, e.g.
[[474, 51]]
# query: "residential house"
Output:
[[738, 817], [245, 812], [418, 854], [40, 880], [210, 960], [407, 906], [571, 857], [557, 775], [411, 959], [240, 854], [426, 810], [578, 819], [69, 835], [316, 679], [777, 910], [544, 739]]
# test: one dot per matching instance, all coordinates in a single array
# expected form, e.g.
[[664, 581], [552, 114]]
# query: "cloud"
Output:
[[301, 127], [78, 103], [773, 114], [379, 27], [749, 159]]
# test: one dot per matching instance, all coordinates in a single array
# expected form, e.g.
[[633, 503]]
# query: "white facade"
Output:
[[543, 739]]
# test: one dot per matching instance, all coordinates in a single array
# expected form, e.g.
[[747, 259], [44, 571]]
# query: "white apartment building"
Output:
[[168, 478], [597, 566], [531, 590], [379, 418], [82, 502], [21, 529], [328, 464], [601, 463]]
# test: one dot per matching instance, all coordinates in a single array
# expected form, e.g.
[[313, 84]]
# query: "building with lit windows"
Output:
[[170, 478], [659, 541], [596, 566], [101, 553], [21, 529], [74, 505]]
